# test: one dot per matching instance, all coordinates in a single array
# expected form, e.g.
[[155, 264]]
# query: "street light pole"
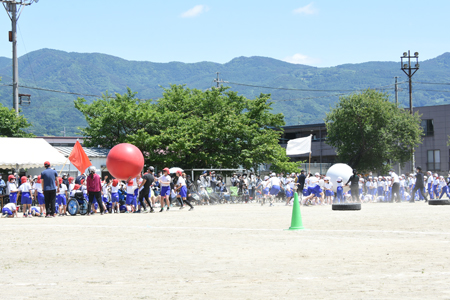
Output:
[[410, 70]]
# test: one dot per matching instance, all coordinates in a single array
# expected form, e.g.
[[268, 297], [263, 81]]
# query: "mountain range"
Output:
[[304, 95]]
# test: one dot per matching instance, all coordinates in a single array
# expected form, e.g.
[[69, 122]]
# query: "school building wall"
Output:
[[432, 155]]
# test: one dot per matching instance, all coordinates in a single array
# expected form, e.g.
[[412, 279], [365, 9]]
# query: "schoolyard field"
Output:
[[235, 251]]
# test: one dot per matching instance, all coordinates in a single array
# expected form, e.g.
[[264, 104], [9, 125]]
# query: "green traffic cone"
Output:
[[296, 222]]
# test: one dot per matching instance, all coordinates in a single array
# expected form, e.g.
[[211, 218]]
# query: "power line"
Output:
[[306, 90], [56, 91]]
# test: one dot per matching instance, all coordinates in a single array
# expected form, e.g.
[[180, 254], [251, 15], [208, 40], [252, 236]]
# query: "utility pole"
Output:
[[14, 9], [410, 70], [219, 81], [396, 91], [64, 132]]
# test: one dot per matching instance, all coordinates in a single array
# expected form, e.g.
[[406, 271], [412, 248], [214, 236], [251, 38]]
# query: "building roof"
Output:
[[90, 151]]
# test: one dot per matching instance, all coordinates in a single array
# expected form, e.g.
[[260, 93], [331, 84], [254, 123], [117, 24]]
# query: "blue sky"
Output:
[[318, 33]]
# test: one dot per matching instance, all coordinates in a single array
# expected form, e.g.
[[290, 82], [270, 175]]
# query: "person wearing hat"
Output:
[[24, 191], [354, 186], [182, 190], [11, 189], [418, 186], [165, 181], [115, 196], [94, 189], [39, 196], [48, 181], [146, 183], [61, 197]]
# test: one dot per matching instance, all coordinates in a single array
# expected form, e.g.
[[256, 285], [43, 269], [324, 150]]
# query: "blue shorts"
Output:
[[136, 192], [306, 192], [165, 191], [289, 193], [13, 197], [130, 199], [105, 199], [61, 199], [266, 191], [40, 198], [156, 193], [6, 211], [275, 190], [329, 193], [316, 190], [183, 192], [115, 197], [26, 198]]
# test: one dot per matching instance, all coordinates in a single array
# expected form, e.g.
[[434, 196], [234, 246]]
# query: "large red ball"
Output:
[[125, 161]]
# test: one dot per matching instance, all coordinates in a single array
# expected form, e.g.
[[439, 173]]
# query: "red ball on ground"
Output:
[[124, 161]]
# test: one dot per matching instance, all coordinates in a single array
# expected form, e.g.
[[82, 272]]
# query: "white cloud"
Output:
[[301, 59], [195, 11], [306, 10]]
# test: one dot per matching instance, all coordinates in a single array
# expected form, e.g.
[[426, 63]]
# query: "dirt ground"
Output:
[[236, 251]]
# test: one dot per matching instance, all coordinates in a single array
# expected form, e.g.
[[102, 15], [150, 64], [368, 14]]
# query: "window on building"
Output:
[[428, 127], [434, 160]]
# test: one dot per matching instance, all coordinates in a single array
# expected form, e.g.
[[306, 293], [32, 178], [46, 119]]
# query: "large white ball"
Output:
[[340, 170]]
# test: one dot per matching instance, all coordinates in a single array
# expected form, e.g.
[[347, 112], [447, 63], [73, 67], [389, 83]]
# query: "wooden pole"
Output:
[[309, 165]]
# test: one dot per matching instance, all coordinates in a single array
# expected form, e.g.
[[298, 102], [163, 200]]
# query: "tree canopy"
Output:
[[190, 128], [12, 125], [370, 133]]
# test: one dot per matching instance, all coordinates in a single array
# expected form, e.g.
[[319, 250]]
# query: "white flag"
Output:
[[299, 146]]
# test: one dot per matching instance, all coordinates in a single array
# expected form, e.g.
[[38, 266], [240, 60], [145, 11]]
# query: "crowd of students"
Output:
[[141, 194]]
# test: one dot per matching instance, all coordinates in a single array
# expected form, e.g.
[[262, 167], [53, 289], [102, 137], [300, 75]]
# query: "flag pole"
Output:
[[309, 165], [59, 175]]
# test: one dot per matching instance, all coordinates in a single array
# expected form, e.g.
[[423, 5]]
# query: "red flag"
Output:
[[78, 158]]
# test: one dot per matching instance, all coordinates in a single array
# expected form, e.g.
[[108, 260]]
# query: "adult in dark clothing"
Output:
[[147, 181], [79, 178], [301, 182], [354, 186], [419, 185], [65, 180], [48, 181]]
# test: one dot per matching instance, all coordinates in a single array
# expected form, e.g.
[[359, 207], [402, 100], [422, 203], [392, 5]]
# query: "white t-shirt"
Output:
[[11, 206], [114, 189], [329, 186], [436, 181], [430, 179], [62, 189], [181, 181], [11, 187], [368, 184], [395, 178], [275, 181], [442, 183], [130, 189], [71, 187], [165, 180], [267, 184], [25, 187], [105, 190], [38, 187], [339, 183]]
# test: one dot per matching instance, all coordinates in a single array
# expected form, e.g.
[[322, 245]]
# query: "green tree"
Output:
[[190, 128], [12, 125], [369, 132]]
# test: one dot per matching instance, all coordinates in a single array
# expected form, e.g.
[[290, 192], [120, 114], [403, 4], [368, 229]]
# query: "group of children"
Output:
[[113, 193]]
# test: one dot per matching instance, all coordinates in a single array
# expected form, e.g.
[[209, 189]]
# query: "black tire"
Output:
[[73, 208], [83, 207], [346, 206], [438, 202]]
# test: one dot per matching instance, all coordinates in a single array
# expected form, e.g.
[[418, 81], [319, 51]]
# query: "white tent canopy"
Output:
[[27, 153]]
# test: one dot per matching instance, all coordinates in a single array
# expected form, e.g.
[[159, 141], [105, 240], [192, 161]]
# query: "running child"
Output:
[[165, 181]]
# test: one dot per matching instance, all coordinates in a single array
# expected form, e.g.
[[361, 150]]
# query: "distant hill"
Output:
[[94, 73]]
